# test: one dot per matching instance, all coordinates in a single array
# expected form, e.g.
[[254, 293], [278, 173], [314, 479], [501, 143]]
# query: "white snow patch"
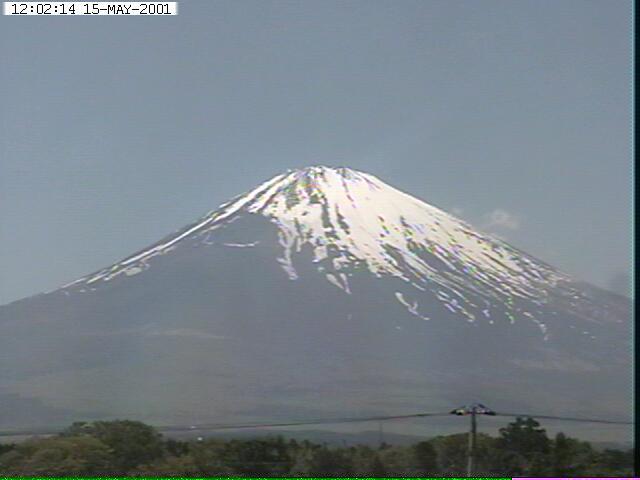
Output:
[[241, 245], [411, 307]]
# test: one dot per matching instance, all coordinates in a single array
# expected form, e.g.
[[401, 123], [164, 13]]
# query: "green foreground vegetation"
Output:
[[124, 447]]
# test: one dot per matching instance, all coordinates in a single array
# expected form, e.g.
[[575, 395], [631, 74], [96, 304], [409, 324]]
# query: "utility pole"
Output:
[[472, 410], [472, 442]]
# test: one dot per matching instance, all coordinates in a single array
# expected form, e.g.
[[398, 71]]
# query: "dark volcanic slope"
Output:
[[323, 292]]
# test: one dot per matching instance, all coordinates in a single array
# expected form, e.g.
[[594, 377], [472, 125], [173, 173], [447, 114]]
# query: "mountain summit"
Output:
[[318, 280], [352, 219]]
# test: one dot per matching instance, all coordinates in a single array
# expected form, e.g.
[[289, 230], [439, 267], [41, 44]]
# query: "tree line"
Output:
[[125, 447]]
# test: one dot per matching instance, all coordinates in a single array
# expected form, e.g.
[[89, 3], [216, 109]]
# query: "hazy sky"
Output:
[[514, 114]]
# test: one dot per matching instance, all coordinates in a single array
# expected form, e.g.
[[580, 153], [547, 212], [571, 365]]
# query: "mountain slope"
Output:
[[322, 291]]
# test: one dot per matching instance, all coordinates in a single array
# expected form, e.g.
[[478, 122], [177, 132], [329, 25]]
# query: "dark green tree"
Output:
[[133, 448], [524, 447], [6, 447], [315, 460], [170, 466], [132, 443], [452, 453], [612, 463], [426, 459], [256, 457], [176, 448], [209, 457], [399, 461], [57, 456], [569, 456], [366, 461]]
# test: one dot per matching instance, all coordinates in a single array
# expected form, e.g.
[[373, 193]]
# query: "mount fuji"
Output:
[[323, 292]]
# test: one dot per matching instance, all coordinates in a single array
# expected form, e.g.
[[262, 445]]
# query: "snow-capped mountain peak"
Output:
[[347, 215], [351, 219]]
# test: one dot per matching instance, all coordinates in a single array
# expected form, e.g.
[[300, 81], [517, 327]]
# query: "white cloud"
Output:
[[501, 219]]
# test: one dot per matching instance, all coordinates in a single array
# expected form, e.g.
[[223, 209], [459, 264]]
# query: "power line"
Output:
[[238, 426], [567, 419], [326, 421]]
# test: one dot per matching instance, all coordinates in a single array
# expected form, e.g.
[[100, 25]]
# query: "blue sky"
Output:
[[516, 115]]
